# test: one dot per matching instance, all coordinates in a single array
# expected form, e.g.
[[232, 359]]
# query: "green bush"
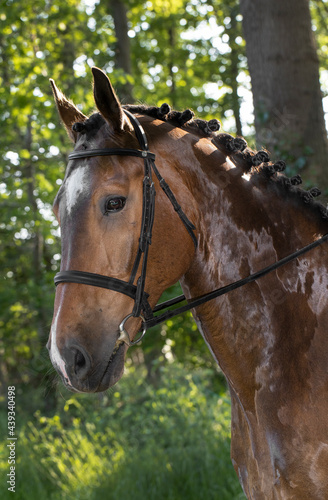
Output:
[[137, 442]]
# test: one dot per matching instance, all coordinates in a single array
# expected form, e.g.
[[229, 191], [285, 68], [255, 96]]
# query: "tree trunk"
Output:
[[37, 241], [172, 42], [284, 69], [234, 70], [123, 53]]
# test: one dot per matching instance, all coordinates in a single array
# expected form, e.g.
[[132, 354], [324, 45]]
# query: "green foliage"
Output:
[[319, 12], [171, 60], [190, 53], [186, 53], [164, 432], [137, 442]]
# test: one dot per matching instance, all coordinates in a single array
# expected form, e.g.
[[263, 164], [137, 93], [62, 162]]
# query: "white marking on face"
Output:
[[55, 356], [76, 184]]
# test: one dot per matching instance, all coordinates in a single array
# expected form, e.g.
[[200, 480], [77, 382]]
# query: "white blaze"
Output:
[[76, 184], [55, 356]]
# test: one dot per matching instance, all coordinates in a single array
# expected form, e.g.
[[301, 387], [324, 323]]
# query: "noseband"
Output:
[[142, 308]]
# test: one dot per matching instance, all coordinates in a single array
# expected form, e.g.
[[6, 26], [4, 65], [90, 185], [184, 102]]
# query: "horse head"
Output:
[[100, 209]]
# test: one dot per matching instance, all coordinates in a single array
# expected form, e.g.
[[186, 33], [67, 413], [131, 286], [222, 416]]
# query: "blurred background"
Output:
[[261, 68]]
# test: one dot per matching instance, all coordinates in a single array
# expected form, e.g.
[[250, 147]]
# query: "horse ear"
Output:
[[68, 112], [107, 101]]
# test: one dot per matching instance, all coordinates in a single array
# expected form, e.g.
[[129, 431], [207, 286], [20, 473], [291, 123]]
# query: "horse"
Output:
[[223, 213]]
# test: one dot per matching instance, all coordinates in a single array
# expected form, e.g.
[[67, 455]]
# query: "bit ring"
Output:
[[124, 336]]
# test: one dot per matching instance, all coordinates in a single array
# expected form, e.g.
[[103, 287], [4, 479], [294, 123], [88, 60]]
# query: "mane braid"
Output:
[[178, 118], [254, 163], [251, 162]]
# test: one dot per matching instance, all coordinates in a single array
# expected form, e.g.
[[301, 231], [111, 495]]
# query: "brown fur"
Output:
[[269, 338]]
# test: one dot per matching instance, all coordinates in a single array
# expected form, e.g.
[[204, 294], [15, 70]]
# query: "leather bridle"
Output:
[[142, 308], [136, 292]]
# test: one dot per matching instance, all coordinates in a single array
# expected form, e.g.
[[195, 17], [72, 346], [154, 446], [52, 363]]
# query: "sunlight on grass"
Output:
[[138, 442]]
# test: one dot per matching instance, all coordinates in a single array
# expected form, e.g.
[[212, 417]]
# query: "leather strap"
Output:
[[197, 301], [98, 280], [89, 153]]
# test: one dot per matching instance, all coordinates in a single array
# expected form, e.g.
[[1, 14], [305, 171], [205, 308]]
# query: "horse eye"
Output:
[[114, 204]]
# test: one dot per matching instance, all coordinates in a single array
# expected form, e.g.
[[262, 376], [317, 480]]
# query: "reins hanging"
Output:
[[195, 302]]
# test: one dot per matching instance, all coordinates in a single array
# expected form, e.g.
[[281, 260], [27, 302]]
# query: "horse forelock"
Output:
[[91, 126], [95, 131]]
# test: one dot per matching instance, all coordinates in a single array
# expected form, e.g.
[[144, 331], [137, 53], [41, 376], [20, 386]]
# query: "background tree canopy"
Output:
[[189, 53]]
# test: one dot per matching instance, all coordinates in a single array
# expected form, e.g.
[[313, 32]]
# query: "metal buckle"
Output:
[[124, 336]]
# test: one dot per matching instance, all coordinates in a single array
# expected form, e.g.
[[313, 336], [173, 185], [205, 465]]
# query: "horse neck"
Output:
[[269, 337], [244, 227]]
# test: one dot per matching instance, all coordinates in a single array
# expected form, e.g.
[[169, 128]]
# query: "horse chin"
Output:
[[104, 378]]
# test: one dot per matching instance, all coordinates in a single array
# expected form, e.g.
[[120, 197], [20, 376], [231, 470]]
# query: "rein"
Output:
[[225, 289], [137, 292]]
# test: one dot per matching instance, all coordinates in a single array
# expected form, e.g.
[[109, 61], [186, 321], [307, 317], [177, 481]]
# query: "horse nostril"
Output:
[[81, 363], [79, 360]]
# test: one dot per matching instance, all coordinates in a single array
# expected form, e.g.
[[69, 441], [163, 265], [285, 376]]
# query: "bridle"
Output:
[[142, 308], [136, 292]]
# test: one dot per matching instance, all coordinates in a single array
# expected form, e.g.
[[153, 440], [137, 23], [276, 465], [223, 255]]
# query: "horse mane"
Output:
[[253, 163], [179, 119]]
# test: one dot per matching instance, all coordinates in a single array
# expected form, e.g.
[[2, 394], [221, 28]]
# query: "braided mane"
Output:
[[251, 162], [178, 118], [254, 163]]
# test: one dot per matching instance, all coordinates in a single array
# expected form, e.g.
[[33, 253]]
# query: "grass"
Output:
[[138, 442]]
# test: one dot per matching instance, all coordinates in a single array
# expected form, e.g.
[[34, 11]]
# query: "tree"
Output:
[[176, 51], [35, 43], [122, 52], [284, 68]]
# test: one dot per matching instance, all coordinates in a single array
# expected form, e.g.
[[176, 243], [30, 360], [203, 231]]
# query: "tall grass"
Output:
[[138, 442]]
